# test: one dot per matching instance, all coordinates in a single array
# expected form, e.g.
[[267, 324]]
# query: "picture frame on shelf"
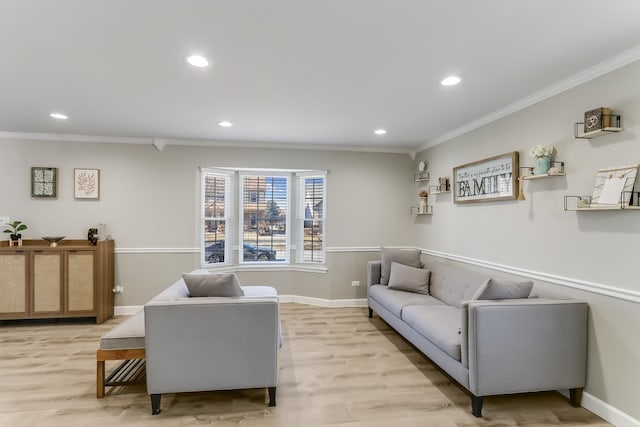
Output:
[[488, 180], [614, 186], [86, 184], [44, 182]]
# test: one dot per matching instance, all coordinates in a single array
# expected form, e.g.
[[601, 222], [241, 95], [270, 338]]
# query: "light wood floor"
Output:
[[337, 367]]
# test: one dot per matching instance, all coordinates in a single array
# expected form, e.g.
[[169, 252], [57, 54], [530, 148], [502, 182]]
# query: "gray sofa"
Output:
[[205, 343], [490, 347]]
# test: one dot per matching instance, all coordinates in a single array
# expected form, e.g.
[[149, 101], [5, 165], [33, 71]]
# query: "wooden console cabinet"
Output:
[[73, 279]]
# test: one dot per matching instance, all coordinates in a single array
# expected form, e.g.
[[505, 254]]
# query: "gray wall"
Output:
[[150, 202], [578, 250]]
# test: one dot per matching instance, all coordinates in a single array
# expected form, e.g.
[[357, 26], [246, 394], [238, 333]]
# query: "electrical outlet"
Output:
[[355, 283], [118, 289], [4, 220]]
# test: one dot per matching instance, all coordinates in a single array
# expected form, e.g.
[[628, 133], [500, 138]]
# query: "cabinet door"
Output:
[[13, 284], [80, 281], [47, 282]]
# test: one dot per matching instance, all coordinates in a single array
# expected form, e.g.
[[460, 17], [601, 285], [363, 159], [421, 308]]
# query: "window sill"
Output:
[[306, 268]]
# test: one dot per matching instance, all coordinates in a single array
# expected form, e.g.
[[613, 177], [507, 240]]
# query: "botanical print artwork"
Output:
[[86, 183], [44, 182]]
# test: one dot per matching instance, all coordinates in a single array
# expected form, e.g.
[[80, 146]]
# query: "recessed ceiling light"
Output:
[[198, 61], [450, 81], [59, 116], [225, 124], [380, 131]]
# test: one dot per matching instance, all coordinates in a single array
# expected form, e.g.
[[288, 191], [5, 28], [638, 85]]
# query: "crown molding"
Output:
[[290, 146], [61, 137], [596, 71], [162, 143]]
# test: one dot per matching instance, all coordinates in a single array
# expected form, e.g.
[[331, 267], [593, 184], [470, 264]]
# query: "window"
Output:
[[273, 209], [215, 212], [265, 223], [311, 191]]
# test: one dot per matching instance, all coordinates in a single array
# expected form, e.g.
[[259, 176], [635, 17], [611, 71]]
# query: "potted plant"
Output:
[[542, 155], [15, 228]]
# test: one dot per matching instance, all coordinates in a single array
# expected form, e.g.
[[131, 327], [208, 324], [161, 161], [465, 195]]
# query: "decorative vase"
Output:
[[423, 205], [542, 165]]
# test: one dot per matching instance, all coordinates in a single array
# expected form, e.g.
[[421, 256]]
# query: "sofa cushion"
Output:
[[440, 324], [394, 300], [213, 285], [127, 335], [410, 279], [494, 289], [452, 285], [410, 257], [259, 291]]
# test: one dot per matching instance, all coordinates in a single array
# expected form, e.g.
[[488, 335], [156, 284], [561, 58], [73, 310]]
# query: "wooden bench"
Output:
[[124, 342]]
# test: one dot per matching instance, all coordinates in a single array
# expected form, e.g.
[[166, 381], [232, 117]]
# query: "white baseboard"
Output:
[[126, 310], [321, 302], [605, 411]]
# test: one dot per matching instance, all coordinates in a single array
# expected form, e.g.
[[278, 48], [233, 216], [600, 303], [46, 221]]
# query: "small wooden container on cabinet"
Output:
[[73, 279]]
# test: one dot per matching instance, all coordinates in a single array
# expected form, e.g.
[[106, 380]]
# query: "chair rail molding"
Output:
[[598, 288]]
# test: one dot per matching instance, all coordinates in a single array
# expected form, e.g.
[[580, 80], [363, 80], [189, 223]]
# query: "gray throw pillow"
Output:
[[213, 285], [410, 257], [494, 289], [410, 279]]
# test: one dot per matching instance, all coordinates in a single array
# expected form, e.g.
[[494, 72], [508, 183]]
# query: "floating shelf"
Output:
[[583, 203], [415, 210], [546, 175], [421, 177], [560, 167], [614, 119], [435, 189]]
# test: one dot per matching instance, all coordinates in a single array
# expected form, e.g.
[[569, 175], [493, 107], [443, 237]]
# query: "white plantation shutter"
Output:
[[310, 214], [215, 213], [264, 212]]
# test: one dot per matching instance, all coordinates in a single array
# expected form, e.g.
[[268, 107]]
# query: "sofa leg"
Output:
[[155, 403], [370, 313], [575, 397], [476, 405], [272, 396]]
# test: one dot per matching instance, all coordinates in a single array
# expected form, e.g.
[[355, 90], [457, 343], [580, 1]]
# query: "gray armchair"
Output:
[[202, 344]]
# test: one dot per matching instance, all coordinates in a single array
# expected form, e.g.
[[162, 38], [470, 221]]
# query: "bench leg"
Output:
[[100, 379], [575, 397], [370, 313], [272, 396], [476, 405], [155, 403]]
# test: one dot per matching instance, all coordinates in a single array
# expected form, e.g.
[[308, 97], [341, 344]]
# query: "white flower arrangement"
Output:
[[542, 151]]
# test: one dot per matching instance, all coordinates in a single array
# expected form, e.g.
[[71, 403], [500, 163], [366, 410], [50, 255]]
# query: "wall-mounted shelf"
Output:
[[415, 210], [530, 175], [612, 123], [435, 189], [421, 177], [583, 203]]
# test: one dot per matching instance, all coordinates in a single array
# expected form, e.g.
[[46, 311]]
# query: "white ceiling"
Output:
[[293, 71]]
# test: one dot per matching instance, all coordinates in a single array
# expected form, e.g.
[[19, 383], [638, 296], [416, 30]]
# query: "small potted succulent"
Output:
[[15, 228]]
